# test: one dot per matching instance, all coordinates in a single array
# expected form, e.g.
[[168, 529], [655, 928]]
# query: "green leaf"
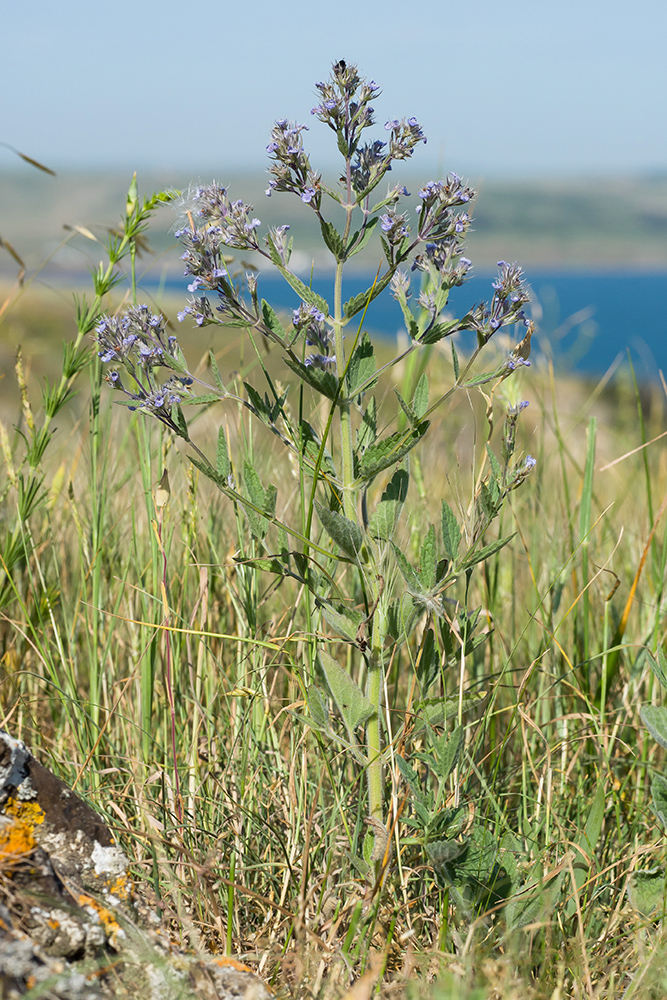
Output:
[[407, 409], [358, 302], [532, 901], [437, 711], [420, 398], [659, 796], [345, 621], [272, 322], [264, 499], [488, 550], [304, 293], [365, 237], [179, 420], [654, 718], [408, 773], [495, 466], [384, 519], [318, 709], [427, 560], [208, 397], [451, 533], [390, 450], [354, 707], [310, 447], [257, 402], [455, 362], [323, 382], [210, 472], [446, 751], [482, 378], [409, 574], [587, 841], [223, 465], [402, 616], [333, 239], [646, 890], [362, 366], [345, 533], [438, 332], [428, 666], [659, 666], [367, 431]]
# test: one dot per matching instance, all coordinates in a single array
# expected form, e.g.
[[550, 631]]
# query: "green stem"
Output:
[[374, 695]]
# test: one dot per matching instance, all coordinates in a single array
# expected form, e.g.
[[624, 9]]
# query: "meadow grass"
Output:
[[159, 673]]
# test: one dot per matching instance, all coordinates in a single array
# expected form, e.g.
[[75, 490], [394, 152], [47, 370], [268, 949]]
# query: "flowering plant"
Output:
[[342, 455]]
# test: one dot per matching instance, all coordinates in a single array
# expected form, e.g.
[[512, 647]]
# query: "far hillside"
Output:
[[546, 224]]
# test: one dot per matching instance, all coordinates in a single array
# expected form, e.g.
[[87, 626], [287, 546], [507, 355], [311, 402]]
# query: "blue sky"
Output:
[[502, 89]]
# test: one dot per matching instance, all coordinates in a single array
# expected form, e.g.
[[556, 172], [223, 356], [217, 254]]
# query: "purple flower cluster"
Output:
[[290, 167], [135, 340], [405, 134], [509, 295], [225, 223], [345, 104], [395, 227], [311, 323]]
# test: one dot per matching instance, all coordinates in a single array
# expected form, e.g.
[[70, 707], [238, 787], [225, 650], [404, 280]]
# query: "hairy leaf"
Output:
[[345, 533], [451, 533], [353, 705], [381, 454]]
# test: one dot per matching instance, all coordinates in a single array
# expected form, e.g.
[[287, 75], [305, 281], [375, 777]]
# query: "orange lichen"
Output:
[[121, 887], [17, 837], [106, 918], [226, 961]]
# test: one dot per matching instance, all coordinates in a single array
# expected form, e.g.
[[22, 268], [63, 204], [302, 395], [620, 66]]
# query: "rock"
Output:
[[70, 922]]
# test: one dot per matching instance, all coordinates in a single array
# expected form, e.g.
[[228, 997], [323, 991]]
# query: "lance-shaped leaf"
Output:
[[345, 533], [322, 381], [352, 245], [428, 664], [304, 293], [354, 707], [222, 464], [646, 890], [428, 557], [345, 621], [438, 332], [384, 518], [333, 239], [409, 574], [446, 751], [362, 365], [390, 450], [265, 499], [310, 447], [659, 796], [654, 718], [272, 322], [402, 616], [480, 555], [367, 431], [420, 398], [318, 710], [358, 302]]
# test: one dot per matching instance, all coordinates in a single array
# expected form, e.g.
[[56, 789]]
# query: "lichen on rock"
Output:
[[70, 922]]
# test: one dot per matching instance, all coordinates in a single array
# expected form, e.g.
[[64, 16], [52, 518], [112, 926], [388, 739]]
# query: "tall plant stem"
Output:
[[347, 453], [374, 694]]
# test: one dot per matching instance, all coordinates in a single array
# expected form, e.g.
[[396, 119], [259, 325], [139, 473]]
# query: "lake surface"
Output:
[[586, 322]]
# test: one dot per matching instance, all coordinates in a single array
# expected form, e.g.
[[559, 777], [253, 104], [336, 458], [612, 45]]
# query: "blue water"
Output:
[[586, 322]]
